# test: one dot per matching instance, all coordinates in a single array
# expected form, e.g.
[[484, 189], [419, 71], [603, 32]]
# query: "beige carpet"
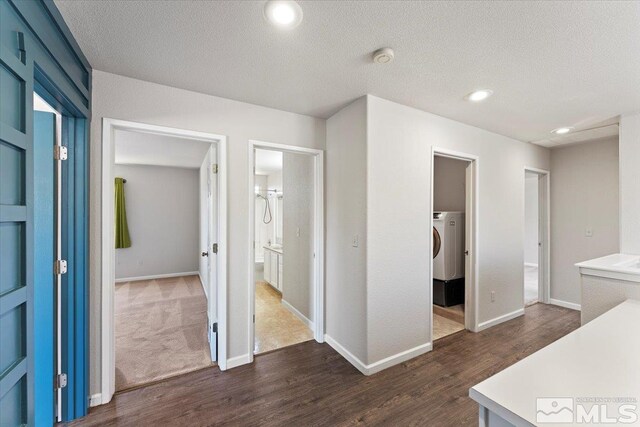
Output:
[[276, 327], [160, 328]]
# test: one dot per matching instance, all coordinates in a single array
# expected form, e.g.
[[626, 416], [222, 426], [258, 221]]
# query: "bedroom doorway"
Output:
[[164, 294]]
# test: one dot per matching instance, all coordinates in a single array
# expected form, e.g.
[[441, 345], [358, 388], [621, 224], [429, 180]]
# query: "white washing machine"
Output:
[[448, 245]]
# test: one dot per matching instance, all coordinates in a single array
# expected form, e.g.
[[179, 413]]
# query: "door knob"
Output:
[[205, 253]]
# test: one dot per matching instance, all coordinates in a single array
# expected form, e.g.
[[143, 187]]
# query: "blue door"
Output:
[[43, 289]]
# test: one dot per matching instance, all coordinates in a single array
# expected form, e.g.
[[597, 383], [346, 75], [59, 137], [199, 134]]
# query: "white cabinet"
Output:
[[280, 269], [273, 267], [267, 265]]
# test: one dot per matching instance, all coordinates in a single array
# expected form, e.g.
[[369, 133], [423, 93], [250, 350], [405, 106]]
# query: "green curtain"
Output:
[[122, 229]]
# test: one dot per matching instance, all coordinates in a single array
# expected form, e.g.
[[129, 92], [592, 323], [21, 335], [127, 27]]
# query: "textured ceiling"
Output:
[[138, 148], [550, 64]]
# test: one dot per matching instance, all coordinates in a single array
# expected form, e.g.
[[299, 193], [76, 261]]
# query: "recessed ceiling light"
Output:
[[383, 56], [562, 131], [479, 95], [283, 13]]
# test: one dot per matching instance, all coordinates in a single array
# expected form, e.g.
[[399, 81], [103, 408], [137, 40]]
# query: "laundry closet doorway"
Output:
[[453, 249]]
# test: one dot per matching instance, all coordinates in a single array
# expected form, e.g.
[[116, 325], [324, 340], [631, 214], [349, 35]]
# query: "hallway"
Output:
[[311, 384]]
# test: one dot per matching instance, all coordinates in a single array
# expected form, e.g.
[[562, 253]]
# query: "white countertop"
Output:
[[616, 266], [600, 359]]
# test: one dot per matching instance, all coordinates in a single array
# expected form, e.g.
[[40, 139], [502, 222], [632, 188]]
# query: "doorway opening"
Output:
[[163, 217], [453, 220], [286, 208], [164, 256], [536, 236]]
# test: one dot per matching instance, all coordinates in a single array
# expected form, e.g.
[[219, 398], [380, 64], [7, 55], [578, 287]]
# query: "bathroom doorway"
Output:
[[286, 273]]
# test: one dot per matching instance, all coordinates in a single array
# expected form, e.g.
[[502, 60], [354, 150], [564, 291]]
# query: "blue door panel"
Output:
[[37, 52], [44, 290]]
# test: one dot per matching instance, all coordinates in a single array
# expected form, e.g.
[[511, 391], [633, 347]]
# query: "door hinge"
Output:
[[214, 328], [61, 381], [60, 266], [214, 168], [214, 248], [254, 318], [60, 152]]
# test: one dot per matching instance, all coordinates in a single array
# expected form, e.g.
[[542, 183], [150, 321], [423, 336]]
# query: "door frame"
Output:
[[544, 233], [108, 252], [471, 286], [318, 237]]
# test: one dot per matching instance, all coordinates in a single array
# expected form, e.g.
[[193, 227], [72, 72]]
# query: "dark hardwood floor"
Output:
[[311, 384]]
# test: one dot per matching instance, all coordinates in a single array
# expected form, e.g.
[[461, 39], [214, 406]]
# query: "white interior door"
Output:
[[469, 243], [543, 237], [212, 248]]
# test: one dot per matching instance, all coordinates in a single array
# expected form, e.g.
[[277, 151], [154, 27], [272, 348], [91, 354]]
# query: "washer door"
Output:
[[437, 242]]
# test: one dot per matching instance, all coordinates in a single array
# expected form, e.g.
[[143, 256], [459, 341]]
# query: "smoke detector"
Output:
[[383, 56]]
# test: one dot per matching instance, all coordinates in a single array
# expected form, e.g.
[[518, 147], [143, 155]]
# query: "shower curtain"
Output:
[[122, 229]]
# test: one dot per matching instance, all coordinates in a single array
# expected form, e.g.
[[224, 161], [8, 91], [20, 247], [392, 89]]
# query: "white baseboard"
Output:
[[157, 276], [95, 400], [299, 315], [238, 361], [204, 288], [500, 319], [565, 304], [530, 264], [380, 365]]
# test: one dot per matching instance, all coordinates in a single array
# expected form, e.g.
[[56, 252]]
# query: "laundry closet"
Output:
[[449, 199]]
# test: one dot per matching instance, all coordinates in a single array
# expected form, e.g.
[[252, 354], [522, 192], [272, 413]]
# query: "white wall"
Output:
[[449, 184], [397, 148], [531, 218], [124, 98], [584, 194], [346, 216], [261, 229], [297, 186], [162, 212], [630, 184]]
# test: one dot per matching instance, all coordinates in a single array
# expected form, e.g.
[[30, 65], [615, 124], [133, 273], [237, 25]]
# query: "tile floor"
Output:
[[276, 327], [530, 285]]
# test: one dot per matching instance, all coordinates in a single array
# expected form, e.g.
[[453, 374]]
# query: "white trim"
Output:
[[157, 276], [544, 251], [108, 252], [565, 304], [531, 264], [318, 238], [380, 365], [95, 400], [204, 288], [234, 362], [471, 289], [297, 313], [500, 319]]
